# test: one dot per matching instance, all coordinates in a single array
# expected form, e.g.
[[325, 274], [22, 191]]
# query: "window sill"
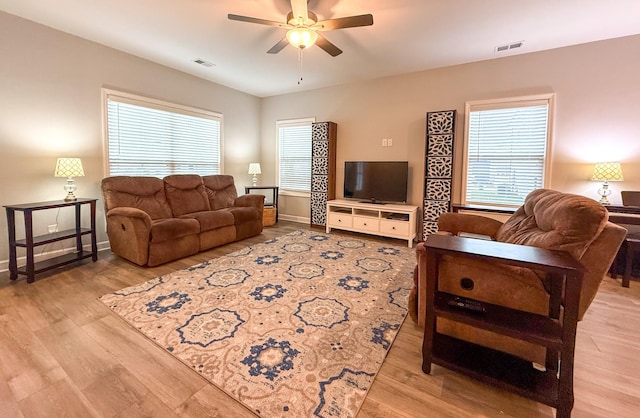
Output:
[[294, 193]]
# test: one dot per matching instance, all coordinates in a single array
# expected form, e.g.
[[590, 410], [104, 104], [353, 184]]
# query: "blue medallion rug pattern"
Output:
[[297, 326]]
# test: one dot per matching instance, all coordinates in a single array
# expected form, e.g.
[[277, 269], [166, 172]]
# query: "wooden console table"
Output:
[[31, 268], [627, 215], [556, 332]]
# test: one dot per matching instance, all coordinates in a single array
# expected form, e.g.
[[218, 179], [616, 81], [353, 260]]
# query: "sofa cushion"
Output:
[[144, 193], [555, 221], [221, 191], [212, 219], [244, 214], [186, 194], [166, 229]]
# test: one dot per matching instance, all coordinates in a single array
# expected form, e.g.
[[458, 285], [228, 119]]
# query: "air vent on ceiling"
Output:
[[507, 47], [203, 62]]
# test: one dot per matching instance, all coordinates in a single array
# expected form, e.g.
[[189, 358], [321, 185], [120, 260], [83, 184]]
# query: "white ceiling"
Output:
[[407, 35]]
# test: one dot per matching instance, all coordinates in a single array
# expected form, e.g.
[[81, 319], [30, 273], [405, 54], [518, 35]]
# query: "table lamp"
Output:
[[606, 172], [69, 168], [254, 168]]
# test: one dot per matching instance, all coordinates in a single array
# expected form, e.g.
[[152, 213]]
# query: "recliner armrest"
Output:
[[455, 223], [129, 212], [250, 200], [129, 231]]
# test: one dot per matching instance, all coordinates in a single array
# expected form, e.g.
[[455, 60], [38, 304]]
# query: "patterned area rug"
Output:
[[297, 326]]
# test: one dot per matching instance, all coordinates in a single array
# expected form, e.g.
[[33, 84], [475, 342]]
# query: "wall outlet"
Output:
[[389, 142], [52, 228], [384, 142]]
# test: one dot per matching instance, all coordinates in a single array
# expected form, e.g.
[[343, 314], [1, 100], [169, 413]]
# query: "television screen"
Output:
[[376, 181]]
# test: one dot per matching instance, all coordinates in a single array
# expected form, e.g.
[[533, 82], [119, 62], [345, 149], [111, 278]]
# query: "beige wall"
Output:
[[597, 106], [50, 106], [50, 84]]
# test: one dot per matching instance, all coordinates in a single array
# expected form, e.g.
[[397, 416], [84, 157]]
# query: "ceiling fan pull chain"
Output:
[[300, 65]]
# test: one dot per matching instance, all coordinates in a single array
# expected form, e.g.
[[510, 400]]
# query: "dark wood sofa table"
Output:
[[31, 268], [274, 196], [556, 332]]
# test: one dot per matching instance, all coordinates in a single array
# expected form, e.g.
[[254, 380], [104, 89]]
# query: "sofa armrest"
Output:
[[251, 200], [456, 223], [129, 231], [130, 212]]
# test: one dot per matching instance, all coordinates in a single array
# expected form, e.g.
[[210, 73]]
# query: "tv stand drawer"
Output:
[[340, 220], [366, 223], [394, 227]]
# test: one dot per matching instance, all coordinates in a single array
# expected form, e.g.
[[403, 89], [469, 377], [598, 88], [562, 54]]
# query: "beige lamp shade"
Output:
[[254, 168], [69, 167], [607, 172]]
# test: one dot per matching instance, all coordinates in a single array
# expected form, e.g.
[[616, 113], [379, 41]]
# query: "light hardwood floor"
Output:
[[64, 354]]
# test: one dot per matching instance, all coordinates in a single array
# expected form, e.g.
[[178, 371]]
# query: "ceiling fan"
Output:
[[303, 27]]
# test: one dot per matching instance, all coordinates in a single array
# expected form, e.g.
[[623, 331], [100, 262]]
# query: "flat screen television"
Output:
[[376, 181]]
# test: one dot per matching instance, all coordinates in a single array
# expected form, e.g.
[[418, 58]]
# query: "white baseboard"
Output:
[[298, 219], [4, 264]]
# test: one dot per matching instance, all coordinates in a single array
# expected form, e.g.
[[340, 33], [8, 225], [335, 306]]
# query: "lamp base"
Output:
[[604, 194], [70, 187], [254, 180]]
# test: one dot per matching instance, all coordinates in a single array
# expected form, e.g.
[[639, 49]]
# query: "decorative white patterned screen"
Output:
[[438, 170], [323, 168]]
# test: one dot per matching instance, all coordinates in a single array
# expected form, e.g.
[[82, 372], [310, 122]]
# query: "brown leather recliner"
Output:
[[548, 219], [151, 221]]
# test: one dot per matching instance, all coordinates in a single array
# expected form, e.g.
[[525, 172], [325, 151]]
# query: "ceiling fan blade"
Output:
[[346, 22], [327, 46], [299, 9], [279, 46], [256, 20]]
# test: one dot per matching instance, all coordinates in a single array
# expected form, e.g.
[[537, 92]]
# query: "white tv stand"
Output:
[[386, 220]]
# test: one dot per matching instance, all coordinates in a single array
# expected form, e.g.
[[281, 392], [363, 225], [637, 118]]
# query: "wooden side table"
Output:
[[631, 241], [633, 246], [31, 268], [274, 195], [556, 332]]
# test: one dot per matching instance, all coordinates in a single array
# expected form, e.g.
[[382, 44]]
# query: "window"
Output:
[[506, 149], [146, 137], [294, 155]]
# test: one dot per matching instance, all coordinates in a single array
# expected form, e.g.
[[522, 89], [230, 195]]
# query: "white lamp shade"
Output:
[[254, 168], [607, 172], [69, 167]]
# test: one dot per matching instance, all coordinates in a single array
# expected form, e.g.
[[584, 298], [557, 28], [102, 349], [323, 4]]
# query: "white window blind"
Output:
[[294, 155], [151, 138], [506, 151]]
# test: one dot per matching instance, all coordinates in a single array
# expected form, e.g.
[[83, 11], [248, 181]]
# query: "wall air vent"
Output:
[[507, 47], [203, 62]]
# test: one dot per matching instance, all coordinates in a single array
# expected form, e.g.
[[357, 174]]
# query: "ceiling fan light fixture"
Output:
[[302, 37]]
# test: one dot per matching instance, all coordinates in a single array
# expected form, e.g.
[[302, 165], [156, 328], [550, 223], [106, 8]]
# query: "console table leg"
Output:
[[94, 243], [564, 411], [628, 265], [431, 261], [28, 231], [13, 259]]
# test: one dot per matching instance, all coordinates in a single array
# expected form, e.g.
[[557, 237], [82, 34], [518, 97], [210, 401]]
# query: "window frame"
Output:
[[143, 101], [506, 103], [292, 122]]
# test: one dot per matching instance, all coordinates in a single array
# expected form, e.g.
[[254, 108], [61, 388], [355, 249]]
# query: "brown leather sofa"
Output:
[[548, 219], [151, 221]]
